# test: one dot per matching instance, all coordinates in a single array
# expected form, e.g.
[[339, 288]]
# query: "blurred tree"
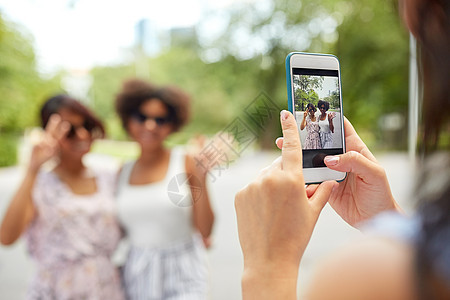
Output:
[[304, 90], [225, 73], [333, 99], [21, 88], [367, 36]]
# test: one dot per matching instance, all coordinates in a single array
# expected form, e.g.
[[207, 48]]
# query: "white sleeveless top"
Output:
[[151, 213], [324, 124]]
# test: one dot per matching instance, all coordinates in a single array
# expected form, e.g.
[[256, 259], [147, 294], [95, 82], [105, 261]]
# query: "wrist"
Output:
[[33, 169], [270, 283]]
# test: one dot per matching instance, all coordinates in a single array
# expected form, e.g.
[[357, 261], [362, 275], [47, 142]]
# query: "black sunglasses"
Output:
[[141, 118], [322, 107], [73, 129]]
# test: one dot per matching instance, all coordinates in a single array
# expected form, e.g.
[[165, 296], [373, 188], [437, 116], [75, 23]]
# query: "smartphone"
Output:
[[314, 98]]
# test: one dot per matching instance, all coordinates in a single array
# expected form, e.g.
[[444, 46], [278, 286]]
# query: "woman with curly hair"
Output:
[[162, 199], [325, 124]]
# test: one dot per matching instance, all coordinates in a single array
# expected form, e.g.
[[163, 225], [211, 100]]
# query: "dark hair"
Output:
[[311, 105], [54, 104], [433, 241], [324, 103], [136, 92], [429, 21]]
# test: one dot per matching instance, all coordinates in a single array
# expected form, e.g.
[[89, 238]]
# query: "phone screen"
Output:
[[317, 109]]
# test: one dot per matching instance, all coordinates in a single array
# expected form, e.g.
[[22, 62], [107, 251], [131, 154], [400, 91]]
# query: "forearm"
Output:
[[303, 124], [20, 211], [331, 127], [202, 211]]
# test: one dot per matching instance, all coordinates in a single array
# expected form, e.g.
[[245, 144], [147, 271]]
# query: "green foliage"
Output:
[[8, 149], [373, 49], [304, 90], [333, 99], [22, 89], [367, 36]]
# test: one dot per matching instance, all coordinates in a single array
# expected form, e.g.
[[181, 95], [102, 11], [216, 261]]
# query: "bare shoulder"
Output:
[[371, 268]]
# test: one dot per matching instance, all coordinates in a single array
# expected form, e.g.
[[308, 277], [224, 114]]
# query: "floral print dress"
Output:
[[71, 240], [312, 138]]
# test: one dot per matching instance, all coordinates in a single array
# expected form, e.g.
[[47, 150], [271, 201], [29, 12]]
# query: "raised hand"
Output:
[[331, 116], [48, 145]]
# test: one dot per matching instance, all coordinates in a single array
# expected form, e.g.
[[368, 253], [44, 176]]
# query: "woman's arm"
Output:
[[303, 124], [330, 122], [20, 212], [202, 211]]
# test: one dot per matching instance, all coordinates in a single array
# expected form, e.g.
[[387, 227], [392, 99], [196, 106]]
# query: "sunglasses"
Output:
[[73, 129], [141, 118], [322, 107]]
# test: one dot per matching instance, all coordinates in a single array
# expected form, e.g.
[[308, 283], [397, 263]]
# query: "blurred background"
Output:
[[224, 53]]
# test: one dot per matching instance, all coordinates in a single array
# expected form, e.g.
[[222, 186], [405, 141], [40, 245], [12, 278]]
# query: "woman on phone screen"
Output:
[[326, 124], [311, 123]]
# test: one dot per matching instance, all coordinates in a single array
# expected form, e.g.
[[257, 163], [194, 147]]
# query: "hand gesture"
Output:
[[305, 114], [48, 145], [331, 116], [275, 217], [200, 145]]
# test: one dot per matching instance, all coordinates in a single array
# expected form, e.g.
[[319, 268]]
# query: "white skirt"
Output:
[[176, 272], [326, 139]]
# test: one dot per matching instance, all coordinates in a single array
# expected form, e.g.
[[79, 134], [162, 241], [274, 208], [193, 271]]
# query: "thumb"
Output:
[[354, 162]]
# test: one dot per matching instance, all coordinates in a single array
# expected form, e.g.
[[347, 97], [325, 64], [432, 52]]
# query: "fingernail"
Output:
[[284, 115], [276, 141], [331, 160]]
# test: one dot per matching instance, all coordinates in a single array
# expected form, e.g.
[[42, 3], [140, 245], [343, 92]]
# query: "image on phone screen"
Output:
[[317, 109]]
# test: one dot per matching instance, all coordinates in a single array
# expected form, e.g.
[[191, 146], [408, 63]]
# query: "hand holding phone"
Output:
[[313, 82]]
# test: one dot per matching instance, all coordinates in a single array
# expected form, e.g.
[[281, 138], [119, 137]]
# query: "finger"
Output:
[[355, 141], [311, 189], [62, 130], [322, 194], [279, 142], [292, 149], [354, 162], [52, 124]]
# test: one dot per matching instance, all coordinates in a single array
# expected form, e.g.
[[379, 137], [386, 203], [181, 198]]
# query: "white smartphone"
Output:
[[314, 98]]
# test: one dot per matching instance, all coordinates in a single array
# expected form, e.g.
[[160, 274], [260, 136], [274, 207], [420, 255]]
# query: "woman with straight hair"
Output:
[[67, 214]]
